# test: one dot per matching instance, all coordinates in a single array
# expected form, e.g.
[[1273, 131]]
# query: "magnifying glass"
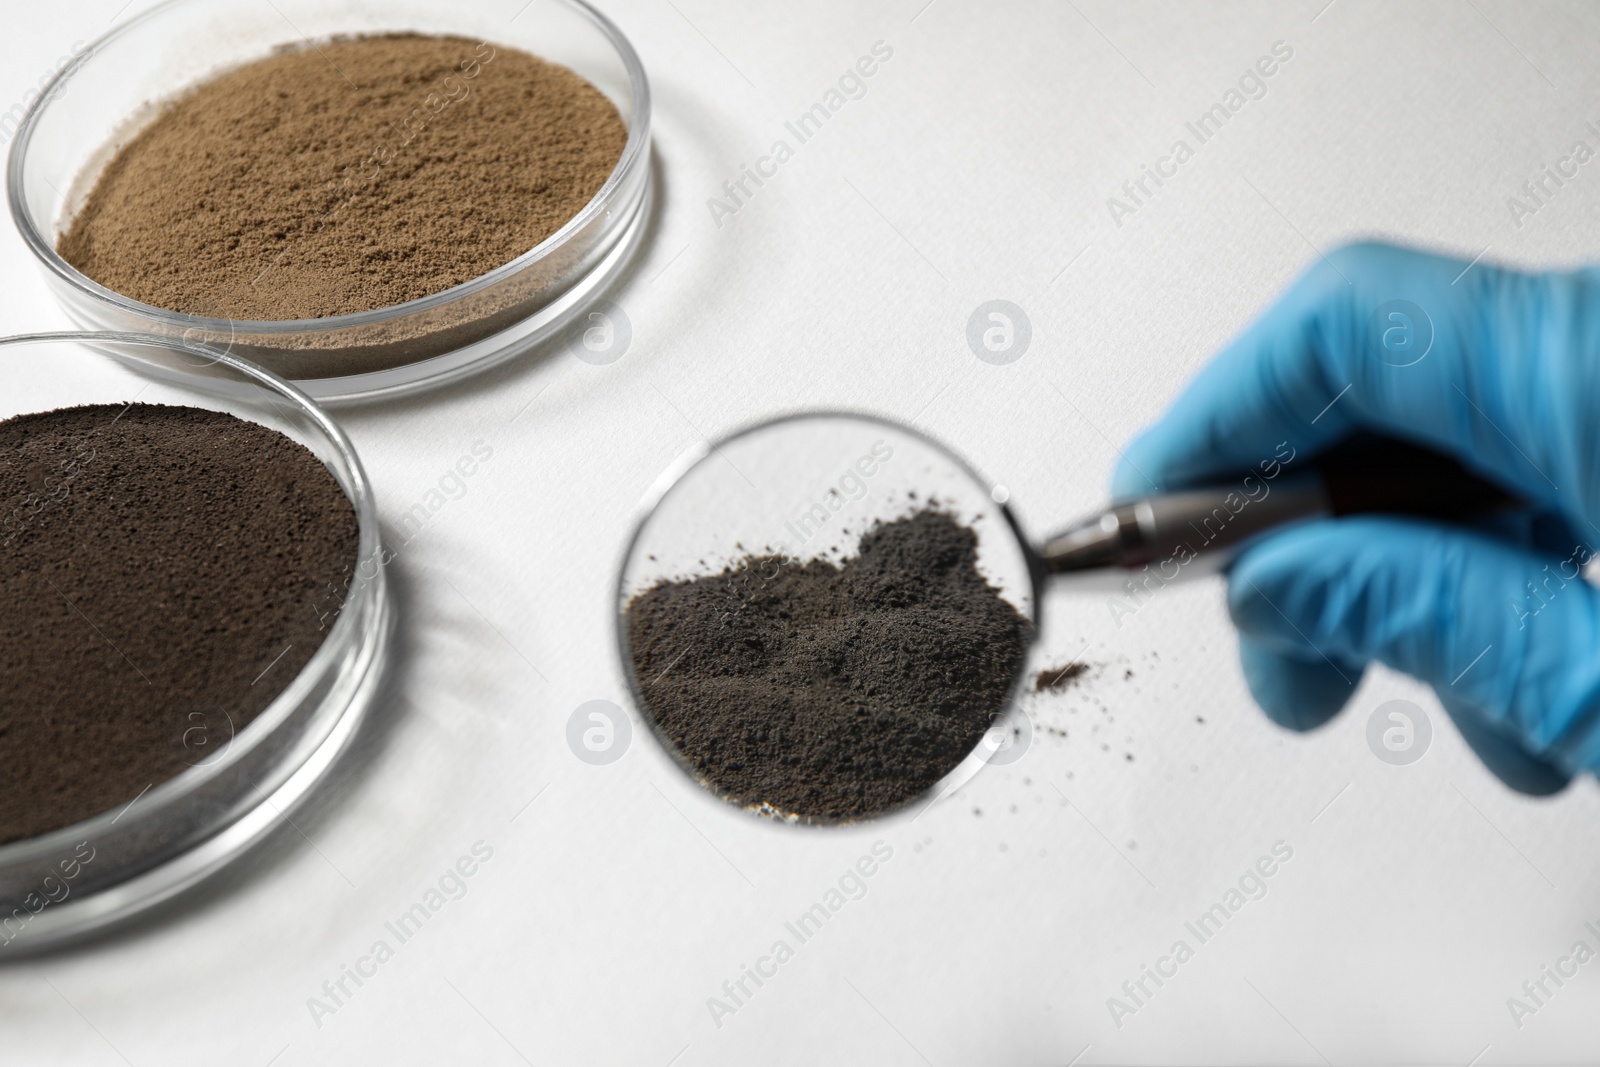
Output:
[[799, 490], [741, 521]]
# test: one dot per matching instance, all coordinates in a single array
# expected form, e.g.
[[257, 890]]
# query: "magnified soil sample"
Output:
[[827, 691], [165, 572]]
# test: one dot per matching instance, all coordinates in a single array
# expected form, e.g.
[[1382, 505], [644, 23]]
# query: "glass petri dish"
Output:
[[189, 826], [106, 93], [807, 486]]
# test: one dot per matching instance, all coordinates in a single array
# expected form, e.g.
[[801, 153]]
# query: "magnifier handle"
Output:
[[1362, 475]]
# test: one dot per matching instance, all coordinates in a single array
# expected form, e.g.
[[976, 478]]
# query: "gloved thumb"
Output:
[[1505, 634]]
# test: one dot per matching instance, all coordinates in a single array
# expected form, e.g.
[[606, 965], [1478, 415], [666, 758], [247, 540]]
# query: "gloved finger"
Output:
[[1543, 530], [1301, 695], [1478, 365], [1502, 632], [1295, 692], [1503, 753]]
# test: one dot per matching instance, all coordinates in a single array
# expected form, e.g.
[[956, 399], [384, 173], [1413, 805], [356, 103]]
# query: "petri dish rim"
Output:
[[635, 158], [696, 454], [347, 632]]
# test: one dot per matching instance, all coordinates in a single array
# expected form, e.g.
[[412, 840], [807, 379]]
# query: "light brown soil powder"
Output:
[[352, 175]]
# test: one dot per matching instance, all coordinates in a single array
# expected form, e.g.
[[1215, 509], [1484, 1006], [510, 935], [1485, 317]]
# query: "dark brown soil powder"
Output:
[[1055, 679], [343, 177], [831, 692], [165, 572]]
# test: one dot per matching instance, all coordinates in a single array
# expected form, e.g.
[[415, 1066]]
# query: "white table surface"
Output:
[[977, 166]]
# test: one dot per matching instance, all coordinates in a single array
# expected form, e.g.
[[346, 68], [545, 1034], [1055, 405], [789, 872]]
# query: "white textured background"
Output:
[[977, 166]]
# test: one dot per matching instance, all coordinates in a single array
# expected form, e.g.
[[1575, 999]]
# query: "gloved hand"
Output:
[[1497, 368]]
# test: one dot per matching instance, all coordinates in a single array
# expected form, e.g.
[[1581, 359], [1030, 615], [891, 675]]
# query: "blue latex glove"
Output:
[[1497, 368]]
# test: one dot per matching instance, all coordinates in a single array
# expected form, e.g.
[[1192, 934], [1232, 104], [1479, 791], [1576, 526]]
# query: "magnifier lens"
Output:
[[804, 488]]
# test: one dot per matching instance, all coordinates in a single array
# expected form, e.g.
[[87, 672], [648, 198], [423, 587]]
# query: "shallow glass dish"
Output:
[[72, 881], [106, 94]]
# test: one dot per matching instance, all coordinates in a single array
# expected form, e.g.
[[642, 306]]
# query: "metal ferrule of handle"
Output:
[[1185, 525], [1208, 520]]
